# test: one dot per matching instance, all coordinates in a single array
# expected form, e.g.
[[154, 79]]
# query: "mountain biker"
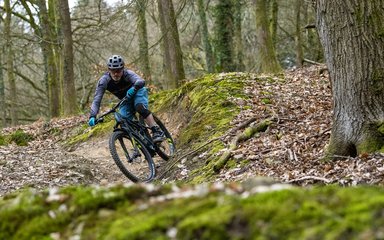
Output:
[[122, 82]]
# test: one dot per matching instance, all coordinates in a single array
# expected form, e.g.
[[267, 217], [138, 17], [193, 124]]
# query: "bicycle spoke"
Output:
[[140, 166]]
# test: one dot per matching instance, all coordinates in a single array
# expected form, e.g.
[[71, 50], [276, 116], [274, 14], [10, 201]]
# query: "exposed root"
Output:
[[245, 135]]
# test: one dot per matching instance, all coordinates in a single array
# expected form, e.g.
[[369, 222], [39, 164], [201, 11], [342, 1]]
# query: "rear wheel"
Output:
[[166, 148], [132, 157]]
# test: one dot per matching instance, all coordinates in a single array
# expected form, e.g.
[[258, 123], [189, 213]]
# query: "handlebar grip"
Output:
[[99, 120]]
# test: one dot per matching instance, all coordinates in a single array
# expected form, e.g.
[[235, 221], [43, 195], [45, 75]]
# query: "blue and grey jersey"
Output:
[[119, 89]]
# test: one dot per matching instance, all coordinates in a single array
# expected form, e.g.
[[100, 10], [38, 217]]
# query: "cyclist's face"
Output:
[[116, 74]]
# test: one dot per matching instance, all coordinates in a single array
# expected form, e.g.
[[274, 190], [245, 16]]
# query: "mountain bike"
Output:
[[132, 148]]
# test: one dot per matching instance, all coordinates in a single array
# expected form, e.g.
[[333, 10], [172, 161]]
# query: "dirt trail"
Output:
[[45, 163], [97, 151]]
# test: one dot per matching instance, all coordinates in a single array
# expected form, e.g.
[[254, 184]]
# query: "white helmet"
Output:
[[115, 62]]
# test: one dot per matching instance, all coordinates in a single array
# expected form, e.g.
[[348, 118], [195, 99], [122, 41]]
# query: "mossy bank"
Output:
[[216, 211], [202, 110]]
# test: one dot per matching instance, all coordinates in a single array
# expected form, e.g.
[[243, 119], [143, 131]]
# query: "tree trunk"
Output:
[[274, 19], [314, 50], [2, 94], [173, 57], [224, 36], [51, 69], [298, 38], [238, 38], [209, 58], [266, 53], [69, 90], [9, 59], [141, 6], [351, 32]]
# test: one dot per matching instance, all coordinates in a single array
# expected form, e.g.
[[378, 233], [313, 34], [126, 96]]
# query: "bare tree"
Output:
[[274, 20], [2, 93], [69, 90], [10, 66], [224, 36], [48, 47], [209, 57], [351, 32], [141, 6], [173, 57], [266, 53], [298, 38], [238, 35]]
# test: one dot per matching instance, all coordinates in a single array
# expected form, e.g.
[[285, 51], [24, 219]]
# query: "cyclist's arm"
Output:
[[99, 93], [137, 81]]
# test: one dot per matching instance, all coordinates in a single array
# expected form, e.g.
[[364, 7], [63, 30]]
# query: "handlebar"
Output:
[[112, 110]]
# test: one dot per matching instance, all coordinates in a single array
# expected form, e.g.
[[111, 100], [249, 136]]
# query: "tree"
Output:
[[51, 71], [351, 32], [69, 90], [224, 31], [266, 53], [10, 66], [209, 58], [2, 94], [141, 6], [274, 20], [173, 56], [238, 38], [298, 38]]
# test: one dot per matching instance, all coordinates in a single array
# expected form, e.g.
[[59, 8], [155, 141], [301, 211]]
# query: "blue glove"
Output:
[[131, 92], [92, 121]]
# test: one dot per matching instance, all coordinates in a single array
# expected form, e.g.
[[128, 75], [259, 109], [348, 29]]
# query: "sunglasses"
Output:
[[114, 71]]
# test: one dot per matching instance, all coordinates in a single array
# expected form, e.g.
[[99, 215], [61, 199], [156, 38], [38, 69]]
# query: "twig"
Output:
[[171, 165], [310, 178], [312, 62]]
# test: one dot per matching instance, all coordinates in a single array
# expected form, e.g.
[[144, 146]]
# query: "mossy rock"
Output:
[[203, 212]]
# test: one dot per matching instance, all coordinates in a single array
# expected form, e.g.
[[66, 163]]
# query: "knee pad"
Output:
[[142, 110]]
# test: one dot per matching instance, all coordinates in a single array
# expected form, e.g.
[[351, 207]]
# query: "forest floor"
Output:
[[290, 151]]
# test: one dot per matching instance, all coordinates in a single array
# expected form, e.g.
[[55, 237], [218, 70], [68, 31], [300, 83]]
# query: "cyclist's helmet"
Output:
[[115, 62]]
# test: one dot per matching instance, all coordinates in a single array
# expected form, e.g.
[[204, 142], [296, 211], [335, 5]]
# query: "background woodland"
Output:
[[52, 56]]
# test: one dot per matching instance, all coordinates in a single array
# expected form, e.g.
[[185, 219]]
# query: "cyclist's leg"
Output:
[[127, 110], [141, 106]]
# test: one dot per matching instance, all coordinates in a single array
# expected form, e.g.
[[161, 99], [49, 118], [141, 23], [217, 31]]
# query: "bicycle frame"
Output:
[[132, 127], [140, 130]]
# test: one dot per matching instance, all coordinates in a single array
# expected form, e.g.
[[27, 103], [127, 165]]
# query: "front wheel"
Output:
[[132, 157]]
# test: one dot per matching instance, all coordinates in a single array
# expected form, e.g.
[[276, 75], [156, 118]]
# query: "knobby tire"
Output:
[[169, 141], [119, 144]]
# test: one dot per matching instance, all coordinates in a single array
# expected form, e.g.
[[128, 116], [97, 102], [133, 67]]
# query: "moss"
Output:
[[2, 140], [19, 210], [203, 225], [119, 212], [86, 133], [209, 102], [380, 128], [20, 137], [374, 139], [266, 101], [377, 81]]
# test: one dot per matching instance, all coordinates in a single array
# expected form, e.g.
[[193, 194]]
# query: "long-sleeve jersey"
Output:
[[117, 88]]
